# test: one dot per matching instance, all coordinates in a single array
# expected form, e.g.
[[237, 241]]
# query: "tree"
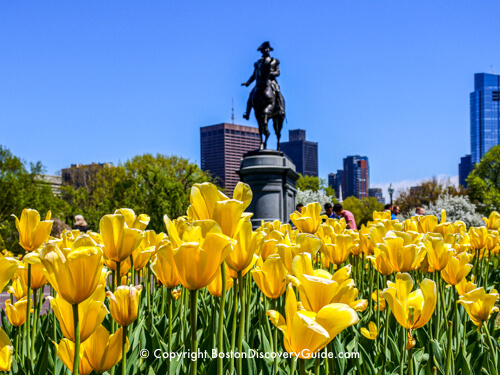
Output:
[[153, 185], [457, 208], [362, 209], [313, 183], [425, 193], [310, 196], [21, 188], [484, 182]]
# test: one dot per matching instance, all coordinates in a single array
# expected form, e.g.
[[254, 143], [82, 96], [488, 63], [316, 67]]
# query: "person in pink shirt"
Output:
[[347, 215]]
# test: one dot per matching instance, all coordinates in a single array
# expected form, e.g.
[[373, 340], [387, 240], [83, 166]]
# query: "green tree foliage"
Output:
[[424, 194], [362, 209], [154, 185], [21, 186], [484, 182], [313, 183]]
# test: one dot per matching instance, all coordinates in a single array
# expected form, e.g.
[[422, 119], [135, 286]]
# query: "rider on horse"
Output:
[[262, 80]]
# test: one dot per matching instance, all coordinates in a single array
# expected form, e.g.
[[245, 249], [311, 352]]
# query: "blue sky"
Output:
[[101, 81]]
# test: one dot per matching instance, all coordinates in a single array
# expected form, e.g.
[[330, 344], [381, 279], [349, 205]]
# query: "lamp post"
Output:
[[391, 191]]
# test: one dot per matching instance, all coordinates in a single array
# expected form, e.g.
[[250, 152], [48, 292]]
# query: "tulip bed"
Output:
[[412, 297]]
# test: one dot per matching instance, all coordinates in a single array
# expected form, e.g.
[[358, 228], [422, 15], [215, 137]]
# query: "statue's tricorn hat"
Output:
[[265, 45]]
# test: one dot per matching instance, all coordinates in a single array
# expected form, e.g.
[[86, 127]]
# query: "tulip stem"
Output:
[[124, 350], [302, 366], [220, 328], [28, 318], [410, 361], [492, 349], [233, 332], [35, 322], [239, 363], [118, 275], [293, 365], [193, 294], [132, 270], [76, 323], [386, 335], [449, 348]]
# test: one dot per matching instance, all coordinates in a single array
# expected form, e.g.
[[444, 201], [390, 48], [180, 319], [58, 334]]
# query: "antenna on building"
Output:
[[232, 110], [493, 70]]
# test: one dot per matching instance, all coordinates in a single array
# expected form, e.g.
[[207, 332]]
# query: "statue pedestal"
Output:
[[272, 177]]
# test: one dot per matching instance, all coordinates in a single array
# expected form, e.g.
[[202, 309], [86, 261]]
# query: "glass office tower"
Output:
[[484, 114]]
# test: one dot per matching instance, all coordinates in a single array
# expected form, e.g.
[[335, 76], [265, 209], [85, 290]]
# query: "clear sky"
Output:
[[102, 81]]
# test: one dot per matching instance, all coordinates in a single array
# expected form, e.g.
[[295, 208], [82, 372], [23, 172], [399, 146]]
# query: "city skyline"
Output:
[[148, 77]]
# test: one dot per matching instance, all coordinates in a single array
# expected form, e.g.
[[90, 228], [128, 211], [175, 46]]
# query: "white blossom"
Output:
[[309, 196], [457, 208]]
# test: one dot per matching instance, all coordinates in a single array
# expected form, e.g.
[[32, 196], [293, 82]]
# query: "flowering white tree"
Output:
[[457, 208], [308, 196]]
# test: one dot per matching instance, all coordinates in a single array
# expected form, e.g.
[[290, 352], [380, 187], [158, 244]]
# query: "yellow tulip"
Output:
[[276, 225], [269, 244], [305, 243], [91, 314], [319, 288], [270, 276], [307, 332], [33, 233], [338, 226], [339, 251], [478, 237], [402, 254], [378, 300], [18, 288], [248, 242], [8, 267], [102, 350], [162, 268], [372, 331], [439, 253], [74, 273], [6, 352], [479, 304], [176, 294], [38, 279], [16, 312], [66, 353], [146, 249], [138, 222], [465, 286], [381, 215], [215, 287], [309, 219], [124, 304], [426, 224], [119, 240], [234, 275], [199, 253], [377, 233], [411, 309], [208, 203], [124, 266], [493, 221], [381, 262], [456, 269], [410, 225]]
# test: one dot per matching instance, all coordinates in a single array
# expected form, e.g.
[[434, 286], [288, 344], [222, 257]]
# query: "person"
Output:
[[394, 212], [419, 211], [388, 207], [257, 75], [329, 211], [298, 208], [347, 215], [80, 224]]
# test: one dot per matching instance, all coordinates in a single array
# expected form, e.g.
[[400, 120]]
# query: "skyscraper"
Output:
[[356, 177], [484, 121], [376, 193], [223, 147], [484, 115], [303, 153], [353, 180]]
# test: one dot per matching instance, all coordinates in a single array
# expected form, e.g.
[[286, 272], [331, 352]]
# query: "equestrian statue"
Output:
[[265, 97]]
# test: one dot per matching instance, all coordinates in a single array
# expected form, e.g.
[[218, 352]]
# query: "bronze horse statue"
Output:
[[266, 98]]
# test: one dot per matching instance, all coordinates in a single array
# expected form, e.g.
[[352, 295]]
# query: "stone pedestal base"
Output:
[[272, 177]]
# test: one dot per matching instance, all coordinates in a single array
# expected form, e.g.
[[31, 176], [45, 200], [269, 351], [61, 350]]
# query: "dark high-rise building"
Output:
[[303, 153], [376, 193], [464, 169], [335, 182], [356, 177], [484, 115], [223, 147]]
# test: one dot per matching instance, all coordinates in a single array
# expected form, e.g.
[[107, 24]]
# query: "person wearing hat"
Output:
[[257, 76]]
